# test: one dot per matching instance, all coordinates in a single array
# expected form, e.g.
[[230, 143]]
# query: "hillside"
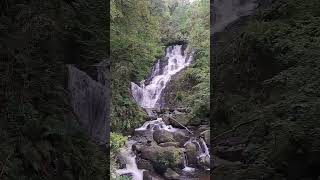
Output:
[[265, 98]]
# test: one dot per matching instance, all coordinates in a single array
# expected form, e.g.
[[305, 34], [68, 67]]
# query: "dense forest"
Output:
[[141, 30], [265, 86], [41, 137]]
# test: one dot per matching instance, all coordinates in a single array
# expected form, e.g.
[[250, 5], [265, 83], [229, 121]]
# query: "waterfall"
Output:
[[147, 95], [127, 155], [185, 163], [89, 99], [203, 150]]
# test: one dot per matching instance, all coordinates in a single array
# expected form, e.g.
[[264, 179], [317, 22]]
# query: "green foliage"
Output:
[[192, 87], [117, 141], [40, 138], [135, 42]]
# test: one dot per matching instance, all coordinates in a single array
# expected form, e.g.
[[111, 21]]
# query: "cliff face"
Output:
[[265, 98]]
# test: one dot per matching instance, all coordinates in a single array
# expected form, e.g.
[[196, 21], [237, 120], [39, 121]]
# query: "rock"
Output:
[[137, 147], [161, 136], [203, 128], [191, 152], [206, 136], [183, 110], [233, 153], [144, 164], [205, 161], [171, 174], [181, 136], [179, 119], [167, 144], [165, 119], [163, 156], [148, 175]]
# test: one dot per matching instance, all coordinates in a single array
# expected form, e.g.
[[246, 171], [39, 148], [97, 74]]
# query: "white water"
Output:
[[203, 150], [156, 124], [129, 157], [147, 96]]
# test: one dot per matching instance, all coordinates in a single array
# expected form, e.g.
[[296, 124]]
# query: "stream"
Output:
[[160, 135]]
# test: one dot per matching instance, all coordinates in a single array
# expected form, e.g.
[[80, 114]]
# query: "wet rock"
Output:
[[165, 119], [171, 174], [144, 164], [181, 136], [205, 161], [148, 175], [137, 147], [191, 152], [183, 110], [167, 144], [206, 136], [161, 136]]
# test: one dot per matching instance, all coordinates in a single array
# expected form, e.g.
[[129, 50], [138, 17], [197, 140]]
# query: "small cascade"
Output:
[[185, 163], [147, 95], [203, 150], [156, 124], [128, 156]]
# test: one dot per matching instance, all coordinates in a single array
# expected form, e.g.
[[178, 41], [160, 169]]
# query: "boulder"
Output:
[[163, 156], [167, 144], [181, 136], [206, 136], [162, 136], [171, 174], [165, 119], [144, 164], [137, 147], [205, 161], [191, 152], [148, 175], [179, 119]]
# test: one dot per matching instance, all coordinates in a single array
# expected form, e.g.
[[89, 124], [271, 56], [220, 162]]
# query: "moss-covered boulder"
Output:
[[163, 157], [162, 136]]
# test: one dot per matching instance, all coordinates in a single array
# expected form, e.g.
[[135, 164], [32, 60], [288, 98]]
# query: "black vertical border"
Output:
[[212, 78]]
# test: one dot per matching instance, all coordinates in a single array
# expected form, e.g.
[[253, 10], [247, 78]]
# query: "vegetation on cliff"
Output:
[[40, 136], [190, 88], [265, 108]]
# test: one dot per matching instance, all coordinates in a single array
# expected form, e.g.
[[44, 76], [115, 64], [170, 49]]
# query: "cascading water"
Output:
[[127, 155], [147, 95]]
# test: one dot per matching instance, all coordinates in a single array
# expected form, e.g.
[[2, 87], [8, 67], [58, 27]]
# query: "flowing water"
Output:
[[147, 95]]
